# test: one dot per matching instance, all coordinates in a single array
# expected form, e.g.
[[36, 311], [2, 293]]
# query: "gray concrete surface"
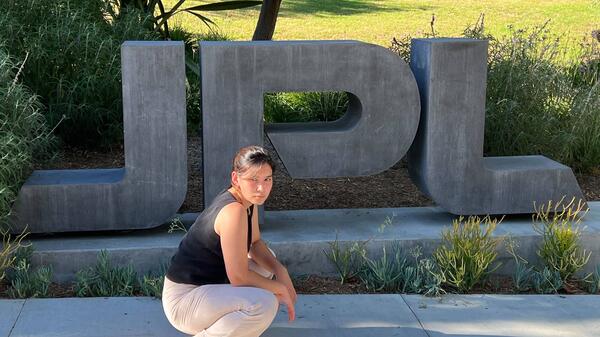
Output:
[[330, 315], [93, 317], [347, 315], [508, 315], [9, 313], [446, 159], [152, 185], [372, 136], [300, 237]]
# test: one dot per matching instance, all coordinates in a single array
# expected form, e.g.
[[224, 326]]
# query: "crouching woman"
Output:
[[223, 280]]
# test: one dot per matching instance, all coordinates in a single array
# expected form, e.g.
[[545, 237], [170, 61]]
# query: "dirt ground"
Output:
[[391, 188]]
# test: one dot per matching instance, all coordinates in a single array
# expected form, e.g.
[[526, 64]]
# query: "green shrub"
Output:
[[24, 138], [193, 97], [542, 95], [592, 281], [10, 246], [25, 283], [546, 281], [304, 106], [385, 273], [467, 252], [104, 280], [152, 284], [347, 259], [559, 225], [398, 274], [73, 64]]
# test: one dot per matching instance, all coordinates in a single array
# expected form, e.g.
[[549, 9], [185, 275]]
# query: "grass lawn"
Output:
[[377, 21]]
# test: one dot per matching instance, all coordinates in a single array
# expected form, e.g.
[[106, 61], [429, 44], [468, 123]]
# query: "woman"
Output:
[[220, 282]]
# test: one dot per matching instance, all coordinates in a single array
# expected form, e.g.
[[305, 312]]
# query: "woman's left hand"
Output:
[[283, 277]]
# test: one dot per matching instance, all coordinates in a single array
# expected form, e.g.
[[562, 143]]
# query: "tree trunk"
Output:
[[265, 27]]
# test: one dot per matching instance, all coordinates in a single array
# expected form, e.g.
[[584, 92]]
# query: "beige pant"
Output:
[[220, 309]]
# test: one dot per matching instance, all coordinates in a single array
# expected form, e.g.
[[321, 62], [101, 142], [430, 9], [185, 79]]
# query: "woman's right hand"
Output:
[[283, 295]]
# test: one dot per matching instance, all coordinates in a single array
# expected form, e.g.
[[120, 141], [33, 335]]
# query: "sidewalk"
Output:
[[324, 316]]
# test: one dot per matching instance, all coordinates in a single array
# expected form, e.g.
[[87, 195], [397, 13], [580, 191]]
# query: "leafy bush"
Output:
[[193, 96], [73, 63], [24, 138], [467, 252], [105, 280], [25, 283], [558, 224], [543, 95], [304, 106]]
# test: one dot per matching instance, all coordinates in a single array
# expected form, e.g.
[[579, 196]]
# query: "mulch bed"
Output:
[[391, 188]]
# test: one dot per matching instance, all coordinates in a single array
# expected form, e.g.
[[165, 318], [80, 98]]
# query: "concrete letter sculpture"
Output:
[[373, 135], [152, 185], [446, 160]]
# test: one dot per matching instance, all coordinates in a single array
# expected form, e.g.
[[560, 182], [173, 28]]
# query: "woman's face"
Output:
[[255, 184]]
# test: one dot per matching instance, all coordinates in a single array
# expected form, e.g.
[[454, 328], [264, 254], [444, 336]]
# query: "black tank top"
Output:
[[199, 258]]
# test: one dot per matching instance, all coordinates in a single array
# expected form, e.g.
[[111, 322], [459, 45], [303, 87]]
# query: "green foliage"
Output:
[[543, 96], [347, 259], [24, 282], [73, 49], [522, 277], [152, 285], [398, 274], [385, 273], [8, 250], [304, 106], [592, 281], [467, 252], [159, 14], [24, 138], [105, 280], [546, 281], [559, 225], [193, 97], [541, 99]]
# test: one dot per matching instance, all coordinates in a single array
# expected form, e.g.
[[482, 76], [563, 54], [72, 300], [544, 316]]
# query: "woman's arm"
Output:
[[231, 226], [260, 253]]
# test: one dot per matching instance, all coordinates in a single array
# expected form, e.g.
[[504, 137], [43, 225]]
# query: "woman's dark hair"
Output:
[[251, 156]]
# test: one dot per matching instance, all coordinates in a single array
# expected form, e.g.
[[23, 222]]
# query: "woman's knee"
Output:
[[266, 304]]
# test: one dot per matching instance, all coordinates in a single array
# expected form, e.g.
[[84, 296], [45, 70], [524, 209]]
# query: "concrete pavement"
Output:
[[324, 316]]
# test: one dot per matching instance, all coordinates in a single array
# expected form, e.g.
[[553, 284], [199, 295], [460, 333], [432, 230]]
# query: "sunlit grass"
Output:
[[377, 21]]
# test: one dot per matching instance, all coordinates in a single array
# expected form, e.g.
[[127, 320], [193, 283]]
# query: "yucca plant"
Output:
[[467, 252], [559, 224]]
